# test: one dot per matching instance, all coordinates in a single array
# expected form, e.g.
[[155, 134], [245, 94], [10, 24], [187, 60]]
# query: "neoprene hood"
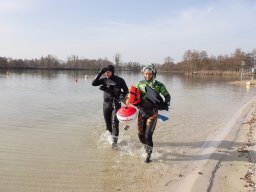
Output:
[[111, 68]]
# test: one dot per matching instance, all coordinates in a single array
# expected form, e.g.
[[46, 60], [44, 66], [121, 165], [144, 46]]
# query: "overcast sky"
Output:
[[145, 31]]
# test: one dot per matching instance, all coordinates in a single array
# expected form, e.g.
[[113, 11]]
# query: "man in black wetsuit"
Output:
[[114, 89]]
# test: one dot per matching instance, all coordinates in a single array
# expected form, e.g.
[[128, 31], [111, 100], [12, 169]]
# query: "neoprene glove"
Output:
[[103, 88], [103, 70], [164, 106]]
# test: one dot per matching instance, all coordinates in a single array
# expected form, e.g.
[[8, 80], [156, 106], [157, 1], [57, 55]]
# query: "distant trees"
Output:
[[51, 62], [48, 62], [168, 64], [194, 61], [3, 62], [132, 66]]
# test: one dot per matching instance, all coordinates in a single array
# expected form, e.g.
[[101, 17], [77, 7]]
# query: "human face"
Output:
[[148, 75], [108, 74]]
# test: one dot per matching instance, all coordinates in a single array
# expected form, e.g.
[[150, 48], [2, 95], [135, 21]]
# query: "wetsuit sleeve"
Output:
[[163, 90], [125, 88], [141, 86], [97, 81], [165, 93], [167, 99]]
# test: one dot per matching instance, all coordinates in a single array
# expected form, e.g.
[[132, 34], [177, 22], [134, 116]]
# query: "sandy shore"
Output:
[[235, 172], [231, 163]]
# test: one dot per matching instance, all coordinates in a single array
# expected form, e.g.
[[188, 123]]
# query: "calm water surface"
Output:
[[50, 116]]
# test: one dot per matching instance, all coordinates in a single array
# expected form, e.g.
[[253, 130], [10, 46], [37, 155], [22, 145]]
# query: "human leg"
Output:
[[141, 128], [107, 113], [115, 130], [150, 127], [115, 124]]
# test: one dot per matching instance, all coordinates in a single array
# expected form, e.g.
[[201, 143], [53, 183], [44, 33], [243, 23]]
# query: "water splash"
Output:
[[127, 147], [130, 149], [104, 140]]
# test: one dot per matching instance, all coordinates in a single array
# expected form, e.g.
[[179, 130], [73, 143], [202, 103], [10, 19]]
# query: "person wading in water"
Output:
[[115, 89], [149, 103]]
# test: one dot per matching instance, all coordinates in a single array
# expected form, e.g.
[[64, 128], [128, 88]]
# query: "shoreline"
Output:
[[246, 83], [230, 165], [236, 170]]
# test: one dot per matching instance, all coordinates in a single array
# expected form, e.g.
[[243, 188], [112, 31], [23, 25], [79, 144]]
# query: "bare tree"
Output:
[[253, 55], [168, 64], [117, 60], [3, 62]]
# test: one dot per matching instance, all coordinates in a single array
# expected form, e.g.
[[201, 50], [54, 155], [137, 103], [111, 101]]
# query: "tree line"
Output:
[[199, 61], [194, 61]]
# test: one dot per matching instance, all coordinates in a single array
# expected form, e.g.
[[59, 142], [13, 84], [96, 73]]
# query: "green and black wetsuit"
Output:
[[148, 112]]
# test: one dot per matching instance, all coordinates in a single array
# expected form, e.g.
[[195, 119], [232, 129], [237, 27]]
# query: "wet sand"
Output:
[[231, 164], [57, 160], [236, 171]]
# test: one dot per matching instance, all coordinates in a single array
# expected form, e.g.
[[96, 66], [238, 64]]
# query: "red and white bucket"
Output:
[[126, 113]]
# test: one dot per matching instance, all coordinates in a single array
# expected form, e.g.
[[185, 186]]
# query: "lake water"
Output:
[[53, 138]]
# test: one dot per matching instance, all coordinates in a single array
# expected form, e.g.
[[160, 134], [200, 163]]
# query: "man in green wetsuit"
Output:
[[148, 110]]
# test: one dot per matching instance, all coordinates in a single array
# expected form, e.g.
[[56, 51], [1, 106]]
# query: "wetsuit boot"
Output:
[[148, 158], [148, 150], [114, 144]]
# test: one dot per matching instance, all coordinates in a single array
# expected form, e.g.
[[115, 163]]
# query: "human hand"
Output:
[[102, 88], [103, 70], [121, 96], [167, 104], [164, 106], [127, 101]]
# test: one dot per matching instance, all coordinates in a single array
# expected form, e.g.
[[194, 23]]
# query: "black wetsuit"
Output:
[[114, 88]]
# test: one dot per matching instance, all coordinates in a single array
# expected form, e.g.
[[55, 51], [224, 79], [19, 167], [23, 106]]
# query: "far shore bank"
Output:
[[202, 72], [244, 83]]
